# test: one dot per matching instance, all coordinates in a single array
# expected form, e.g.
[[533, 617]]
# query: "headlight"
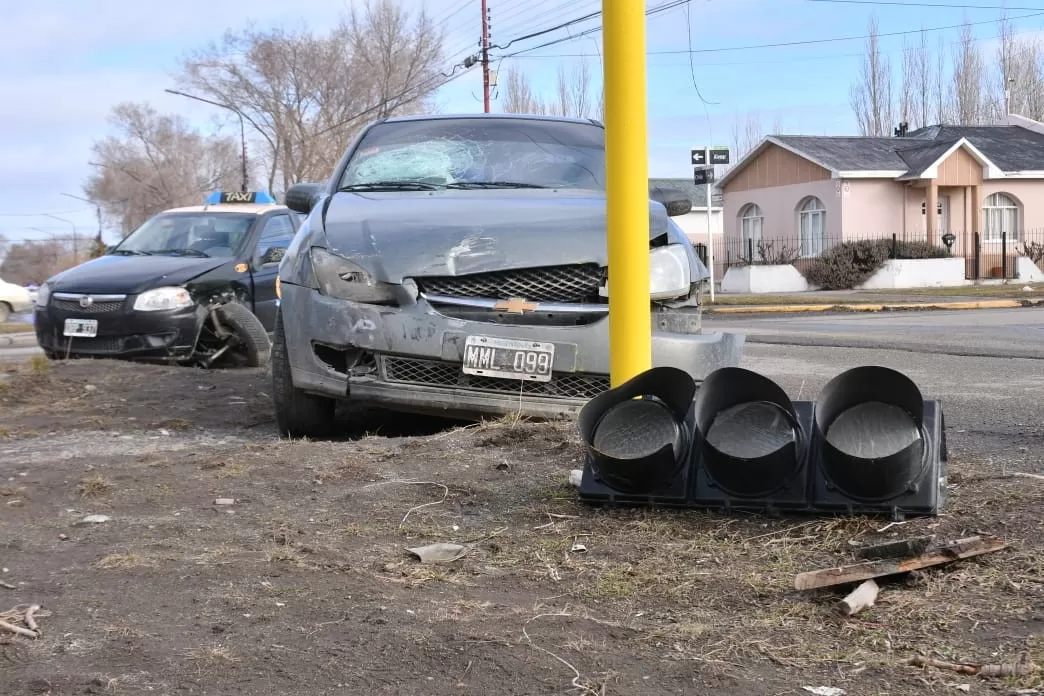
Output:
[[345, 280], [163, 298], [668, 272], [43, 294]]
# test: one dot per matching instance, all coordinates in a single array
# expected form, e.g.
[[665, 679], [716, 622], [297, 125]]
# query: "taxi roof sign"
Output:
[[239, 197]]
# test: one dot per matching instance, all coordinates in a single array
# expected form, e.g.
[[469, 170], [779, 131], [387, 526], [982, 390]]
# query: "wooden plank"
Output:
[[858, 572]]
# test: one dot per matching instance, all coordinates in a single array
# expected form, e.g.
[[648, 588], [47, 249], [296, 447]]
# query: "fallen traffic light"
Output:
[[869, 444]]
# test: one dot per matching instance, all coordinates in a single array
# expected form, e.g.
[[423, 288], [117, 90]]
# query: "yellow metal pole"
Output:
[[627, 188]]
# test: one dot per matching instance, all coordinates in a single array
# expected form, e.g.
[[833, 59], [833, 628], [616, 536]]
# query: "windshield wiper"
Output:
[[391, 186], [184, 252], [493, 184], [130, 252]]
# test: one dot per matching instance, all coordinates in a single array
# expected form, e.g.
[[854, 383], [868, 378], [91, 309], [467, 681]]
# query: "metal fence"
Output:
[[986, 256]]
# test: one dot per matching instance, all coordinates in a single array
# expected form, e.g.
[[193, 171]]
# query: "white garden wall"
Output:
[[1028, 271], [917, 273], [764, 279]]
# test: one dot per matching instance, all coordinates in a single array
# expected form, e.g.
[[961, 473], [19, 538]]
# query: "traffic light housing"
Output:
[[869, 444]]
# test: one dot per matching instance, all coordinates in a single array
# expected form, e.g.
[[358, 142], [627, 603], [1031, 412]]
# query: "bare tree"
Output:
[[574, 95], [969, 82], [36, 261], [920, 76], [746, 135], [1018, 84], [306, 95], [154, 162], [944, 103], [871, 96], [907, 86]]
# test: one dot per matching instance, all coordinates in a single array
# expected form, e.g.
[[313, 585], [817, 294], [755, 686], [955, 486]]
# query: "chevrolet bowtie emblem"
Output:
[[516, 305]]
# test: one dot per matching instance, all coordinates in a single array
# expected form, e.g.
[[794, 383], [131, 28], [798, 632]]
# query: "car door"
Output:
[[275, 238]]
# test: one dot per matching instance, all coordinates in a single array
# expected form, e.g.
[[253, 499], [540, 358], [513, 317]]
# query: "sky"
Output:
[[709, 63]]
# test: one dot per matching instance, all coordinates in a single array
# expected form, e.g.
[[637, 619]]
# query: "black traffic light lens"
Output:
[[637, 429], [751, 443], [870, 425], [636, 434]]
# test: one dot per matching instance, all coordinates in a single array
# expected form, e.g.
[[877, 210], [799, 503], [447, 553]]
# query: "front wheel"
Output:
[[232, 336], [298, 413]]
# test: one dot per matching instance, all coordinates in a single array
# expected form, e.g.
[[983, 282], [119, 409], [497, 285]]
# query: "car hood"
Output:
[[398, 235], [131, 274]]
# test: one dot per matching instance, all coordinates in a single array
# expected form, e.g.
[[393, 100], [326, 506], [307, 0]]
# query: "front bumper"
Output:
[[122, 332], [409, 358]]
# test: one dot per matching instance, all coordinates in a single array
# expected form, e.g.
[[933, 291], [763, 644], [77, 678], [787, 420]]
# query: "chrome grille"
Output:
[[447, 374], [96, 308], [573, 283]]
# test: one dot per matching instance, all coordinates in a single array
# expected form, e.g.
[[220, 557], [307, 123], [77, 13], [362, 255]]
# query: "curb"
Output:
[[17, 339], [867, 307]]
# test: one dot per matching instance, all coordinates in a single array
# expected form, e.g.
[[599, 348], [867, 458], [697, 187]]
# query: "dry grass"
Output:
[[10, 327], [95, 486], [125, 561], [211, 656], [39, 365]]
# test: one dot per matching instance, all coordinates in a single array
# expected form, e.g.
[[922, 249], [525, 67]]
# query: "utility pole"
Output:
[[98, 241], [485, 57]]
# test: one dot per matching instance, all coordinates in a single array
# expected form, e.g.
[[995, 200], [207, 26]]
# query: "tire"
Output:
[[298, 414], [5, 312], [253, 339]]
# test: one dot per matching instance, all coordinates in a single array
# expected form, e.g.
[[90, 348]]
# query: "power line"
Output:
[[666, 7], [60, 212], [788, 44], [945, 6], [769, 61]]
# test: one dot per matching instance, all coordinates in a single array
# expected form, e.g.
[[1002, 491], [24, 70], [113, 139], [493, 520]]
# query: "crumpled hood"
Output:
[[399, 235], [131, 274]]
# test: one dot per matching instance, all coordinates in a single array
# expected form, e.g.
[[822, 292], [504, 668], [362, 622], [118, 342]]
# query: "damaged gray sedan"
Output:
[[457, 265]]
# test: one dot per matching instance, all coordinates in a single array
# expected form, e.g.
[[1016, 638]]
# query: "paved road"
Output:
[[984, 333]]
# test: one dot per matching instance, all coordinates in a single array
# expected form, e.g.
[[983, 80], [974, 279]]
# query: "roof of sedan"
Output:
[[528, 117], [249, 208]]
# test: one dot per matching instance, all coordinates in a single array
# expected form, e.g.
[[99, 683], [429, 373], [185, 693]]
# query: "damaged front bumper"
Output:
[[410, 358]]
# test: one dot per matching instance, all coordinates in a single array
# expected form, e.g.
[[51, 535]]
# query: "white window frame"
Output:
[[811, 215], [999, 217], [752, 226]]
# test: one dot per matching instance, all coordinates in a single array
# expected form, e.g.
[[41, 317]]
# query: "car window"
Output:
[[212, 234], [445, 151], [276, 236]]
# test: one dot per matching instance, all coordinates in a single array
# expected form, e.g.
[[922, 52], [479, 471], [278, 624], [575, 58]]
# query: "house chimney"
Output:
[[900, 132]]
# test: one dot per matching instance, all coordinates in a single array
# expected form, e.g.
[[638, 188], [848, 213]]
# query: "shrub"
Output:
[[846, 265], [766, 254]]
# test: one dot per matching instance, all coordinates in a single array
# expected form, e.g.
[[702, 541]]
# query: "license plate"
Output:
[[508, 359], [81, 328]]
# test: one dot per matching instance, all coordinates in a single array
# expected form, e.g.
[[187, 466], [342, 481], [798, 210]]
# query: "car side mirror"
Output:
[[674, 200], [273, 255], [301, 198]]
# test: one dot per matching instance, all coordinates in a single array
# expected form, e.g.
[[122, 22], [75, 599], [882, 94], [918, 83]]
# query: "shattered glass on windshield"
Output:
[[448, 152]]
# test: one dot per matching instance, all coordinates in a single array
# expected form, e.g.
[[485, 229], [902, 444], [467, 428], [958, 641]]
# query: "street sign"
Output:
[[703, 175], [699, 157], [719, 155], [718, 198], [870, 444]]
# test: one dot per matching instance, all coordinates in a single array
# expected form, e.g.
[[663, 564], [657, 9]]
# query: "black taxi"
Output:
[[190, 285]]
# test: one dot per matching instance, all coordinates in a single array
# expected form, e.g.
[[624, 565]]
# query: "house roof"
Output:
[[697, 194], [1001, 149]]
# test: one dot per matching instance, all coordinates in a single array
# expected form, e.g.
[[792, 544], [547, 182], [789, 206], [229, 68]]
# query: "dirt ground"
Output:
[[304, 584]]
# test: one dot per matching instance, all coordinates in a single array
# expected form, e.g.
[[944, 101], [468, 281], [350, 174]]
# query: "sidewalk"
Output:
[[966, 297]]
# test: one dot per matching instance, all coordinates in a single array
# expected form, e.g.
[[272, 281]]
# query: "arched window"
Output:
[[752, 224], [811, 226], [1000, 216]]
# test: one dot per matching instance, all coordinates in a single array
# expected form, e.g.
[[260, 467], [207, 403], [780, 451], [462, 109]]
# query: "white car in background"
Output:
[[14, 299]]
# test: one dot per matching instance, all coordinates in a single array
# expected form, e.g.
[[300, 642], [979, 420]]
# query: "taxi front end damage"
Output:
[[468, 303], [188, 287]]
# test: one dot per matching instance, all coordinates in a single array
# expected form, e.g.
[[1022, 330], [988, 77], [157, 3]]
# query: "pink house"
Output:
[[982, 184]]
